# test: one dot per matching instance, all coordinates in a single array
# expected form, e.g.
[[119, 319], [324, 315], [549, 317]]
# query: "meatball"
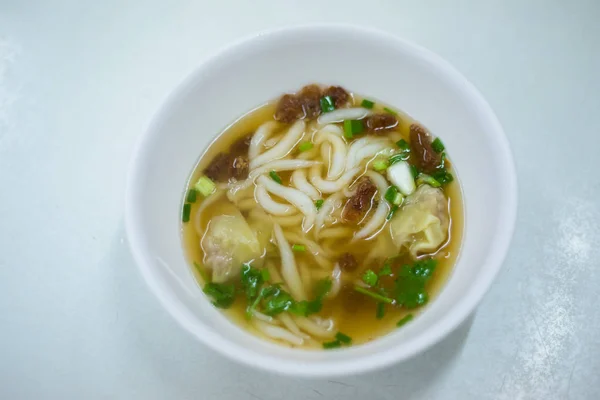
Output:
[[380, 123], [338, 94], [218, 169], [348, 262], [360, 202], [289, 109], [239, 168], [310, 98], [422, 153]]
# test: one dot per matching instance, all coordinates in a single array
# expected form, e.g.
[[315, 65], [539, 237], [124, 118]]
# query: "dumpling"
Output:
[[228, 243], [421, 225]]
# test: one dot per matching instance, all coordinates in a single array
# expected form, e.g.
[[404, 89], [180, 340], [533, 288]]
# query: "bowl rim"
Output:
[[444, 326]]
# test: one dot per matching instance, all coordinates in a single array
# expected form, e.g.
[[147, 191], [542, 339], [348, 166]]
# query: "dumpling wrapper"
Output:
[[421, 225], [228, 243]]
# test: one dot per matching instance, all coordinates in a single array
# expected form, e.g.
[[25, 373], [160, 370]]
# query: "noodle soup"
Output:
[[323, 219]]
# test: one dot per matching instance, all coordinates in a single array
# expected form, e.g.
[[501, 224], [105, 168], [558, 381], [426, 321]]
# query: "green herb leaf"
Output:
[[410, 289], [404, 320], [223, 295], [437, 145], [414, 171], [319, 204], [442, 176], [327, 104], [370, 277], [305, 146], [252, 280], [386, 270], [375, 296], [343, 338], [380, 312], [275, 177], [429, 180], [322, 288], [277, 302], [185, 214], [396, 158], [367, 104], [332, 345], [266, 276], [353, 127]]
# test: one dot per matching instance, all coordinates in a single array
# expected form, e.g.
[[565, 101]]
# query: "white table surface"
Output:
[[79, 83]]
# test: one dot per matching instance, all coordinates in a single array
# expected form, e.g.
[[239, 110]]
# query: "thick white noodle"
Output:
[[336, 232], [247, 204], [326, 155], [258, 139], [271, 206], [276, 332], [332, 128], [301, 183], [281, 149], [288, 221], [378, 218], [288, 265], [264, 317], [297, 198], [337, 160], [311, 327], [331, 186], [365, 148], [277, 165], [289, 323], [203, 206], [311, 246], [336, 282], [309, 155], [326, 210], [274, 273], [342, 114]]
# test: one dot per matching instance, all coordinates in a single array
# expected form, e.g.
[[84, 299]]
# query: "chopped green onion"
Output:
[[392, 212], [414, 171], [442, 176], [398, 199], [185, 215], [319, 204], [353, 127], [390, 111], [404, 320], [367, 104], [380, 165], [396, 158], [403, 144], [437, 145], [386, 270], [332, 345], [343, 338], [300, 248], [370, 277], [205, 186], [275, 177], [390, 193], [191, 197], [265, 274], [376, 296], [327, 104], [380, 310], [305, 146], [424, 178]]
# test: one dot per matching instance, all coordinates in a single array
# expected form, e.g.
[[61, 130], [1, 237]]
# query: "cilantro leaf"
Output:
[[223, 295]]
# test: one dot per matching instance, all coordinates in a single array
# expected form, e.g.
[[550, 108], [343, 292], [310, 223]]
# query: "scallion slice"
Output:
[[353, 127], [300, 248], [332, 345], [343, 338], [392, 212], [403, 144], [275, 177], [429, 180], [191, 196], [367, 104], [185, 215], [390, 193], [437, 145], [390, 111], [380, 165], [205, 186], [327, 104], [305, 146]]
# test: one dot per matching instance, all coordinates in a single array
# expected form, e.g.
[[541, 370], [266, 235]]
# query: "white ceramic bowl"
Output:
[[261, 68]]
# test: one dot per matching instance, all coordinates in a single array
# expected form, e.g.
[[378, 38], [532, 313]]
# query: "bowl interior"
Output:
[[370, 63]]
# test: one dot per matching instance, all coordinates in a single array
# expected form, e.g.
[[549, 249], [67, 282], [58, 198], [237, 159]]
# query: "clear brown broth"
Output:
[[353, 313]]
